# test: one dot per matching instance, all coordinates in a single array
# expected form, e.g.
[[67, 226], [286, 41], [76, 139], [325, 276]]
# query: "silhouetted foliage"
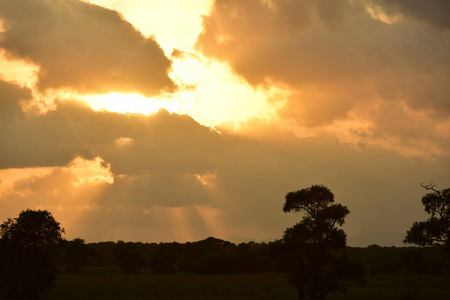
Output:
[[413, 260], [400, 260], [435, 230], [103, 253], [277, 254], [128, 258], [209, 256], [377, 259], [167, 258], [252, 258], [77, 255], [315, 246], [29, 245]]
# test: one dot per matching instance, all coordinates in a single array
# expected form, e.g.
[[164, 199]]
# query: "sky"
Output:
[[160, 121]]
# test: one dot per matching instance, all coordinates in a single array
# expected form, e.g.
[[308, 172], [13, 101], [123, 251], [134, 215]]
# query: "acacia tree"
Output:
[[435, 230], [315, 244], [29, 245]]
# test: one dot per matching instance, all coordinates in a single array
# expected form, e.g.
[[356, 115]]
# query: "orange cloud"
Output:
[[164, 176], [360, 105], [68, 192], [338, 60], [83, 47]]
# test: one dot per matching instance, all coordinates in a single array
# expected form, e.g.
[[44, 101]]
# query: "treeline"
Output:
[[215, 256], [209, 256], [389, 260]]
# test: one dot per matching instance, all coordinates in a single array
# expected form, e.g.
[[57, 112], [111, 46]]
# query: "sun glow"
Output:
[[172, 28], [93, 172], [19, 71], [132, 103], [208, 91]]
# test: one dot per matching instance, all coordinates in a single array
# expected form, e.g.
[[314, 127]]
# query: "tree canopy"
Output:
[[435, 230], [29, 244], [314, 244], [32, 229], [77, 255]]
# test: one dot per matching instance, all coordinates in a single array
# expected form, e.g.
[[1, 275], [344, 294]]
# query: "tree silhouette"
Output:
[[166, 258], [315, 245], [435, 230], [29, 245], [77, 255], [208, 256], [128, 258], [252, 257]]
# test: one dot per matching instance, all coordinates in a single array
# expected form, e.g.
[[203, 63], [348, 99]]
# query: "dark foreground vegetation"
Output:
[[109, 283], [311, 261], [216, 269]]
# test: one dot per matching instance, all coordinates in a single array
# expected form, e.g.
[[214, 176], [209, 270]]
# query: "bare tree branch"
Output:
[[430, 187]]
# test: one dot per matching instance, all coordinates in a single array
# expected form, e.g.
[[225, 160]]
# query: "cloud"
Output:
[[434, 12], [157, 159], [74, 129], [168, 189], [11, 96], [165, 177], [82, 196], [82, 46], [340, 62], [68, 191]]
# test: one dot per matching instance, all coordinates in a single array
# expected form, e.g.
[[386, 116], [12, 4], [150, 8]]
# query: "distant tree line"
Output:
[[208, 256], [214, 256]]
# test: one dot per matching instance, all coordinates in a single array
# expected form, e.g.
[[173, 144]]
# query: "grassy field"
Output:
[[109, 283]]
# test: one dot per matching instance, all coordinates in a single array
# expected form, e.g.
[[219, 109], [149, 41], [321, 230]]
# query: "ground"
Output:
[[110, 283]]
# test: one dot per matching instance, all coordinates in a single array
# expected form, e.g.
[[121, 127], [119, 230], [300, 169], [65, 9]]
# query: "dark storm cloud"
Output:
[[435, 12], [55, 138], [84, 47], [11, 97]]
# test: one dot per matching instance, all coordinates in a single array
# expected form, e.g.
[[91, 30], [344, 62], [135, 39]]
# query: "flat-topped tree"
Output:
[[435, 230], [315, 245]]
